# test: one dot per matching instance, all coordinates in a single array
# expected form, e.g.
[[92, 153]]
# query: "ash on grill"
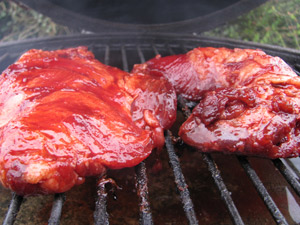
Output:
[[191, 188]]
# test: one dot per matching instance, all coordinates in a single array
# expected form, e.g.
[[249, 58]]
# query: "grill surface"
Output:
[[192, 187]]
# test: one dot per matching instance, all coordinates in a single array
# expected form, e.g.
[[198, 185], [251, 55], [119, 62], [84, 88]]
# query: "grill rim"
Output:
[[132, 39], [137, 38]]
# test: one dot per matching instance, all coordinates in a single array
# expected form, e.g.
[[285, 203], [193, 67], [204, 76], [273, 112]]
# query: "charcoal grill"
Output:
[[192, 187], [172, 16]]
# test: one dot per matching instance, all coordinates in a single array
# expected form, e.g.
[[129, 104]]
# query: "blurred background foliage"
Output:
[[18, 22], [275, 22]]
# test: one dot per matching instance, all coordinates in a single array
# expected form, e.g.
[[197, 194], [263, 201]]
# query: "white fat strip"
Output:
[[37, 171], [10, 108]]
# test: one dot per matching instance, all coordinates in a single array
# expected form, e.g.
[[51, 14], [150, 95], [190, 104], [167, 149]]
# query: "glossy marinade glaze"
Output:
[[248, 101], [65, 115]]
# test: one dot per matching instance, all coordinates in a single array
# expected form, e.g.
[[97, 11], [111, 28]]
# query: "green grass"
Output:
[[18, 22], [275, 22]]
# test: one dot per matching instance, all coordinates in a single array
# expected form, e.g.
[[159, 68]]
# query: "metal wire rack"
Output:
[[124, 55]]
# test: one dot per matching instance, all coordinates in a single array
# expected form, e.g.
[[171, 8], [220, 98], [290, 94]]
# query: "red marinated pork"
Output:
[[64, 116], [249, 102]]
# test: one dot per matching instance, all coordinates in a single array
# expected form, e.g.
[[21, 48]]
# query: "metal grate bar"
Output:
[[293, 167], [155, 49], [180, 181], [106, 55], [142, 188], [212, 167], [277, 215], [142, 180], [141, 55], [59, 200], [100, 213], [188, 206], [226, 197], [291, 179], [13, 209], [124, 59], [141, 175]]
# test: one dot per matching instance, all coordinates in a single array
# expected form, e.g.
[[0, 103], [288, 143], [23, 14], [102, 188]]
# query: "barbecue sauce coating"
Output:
[[248, 102], [64, 116]]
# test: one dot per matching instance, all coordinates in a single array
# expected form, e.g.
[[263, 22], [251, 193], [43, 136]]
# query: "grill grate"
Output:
[[13, 209], [180, 181], [142, 187], [262, 191], [56, 209], [123, 55], [100, 214], [293, 181]]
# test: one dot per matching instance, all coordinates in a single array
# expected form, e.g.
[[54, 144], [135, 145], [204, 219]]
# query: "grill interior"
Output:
[[191, 187]]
